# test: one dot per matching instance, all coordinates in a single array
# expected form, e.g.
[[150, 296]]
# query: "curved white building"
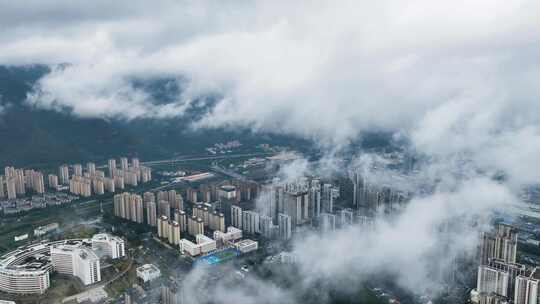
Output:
[[27, 269]]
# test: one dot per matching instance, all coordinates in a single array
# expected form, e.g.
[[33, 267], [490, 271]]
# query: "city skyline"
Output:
[[270, 151]]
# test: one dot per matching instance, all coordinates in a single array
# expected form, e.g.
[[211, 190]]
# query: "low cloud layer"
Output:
[[456, 78], [419, 248]]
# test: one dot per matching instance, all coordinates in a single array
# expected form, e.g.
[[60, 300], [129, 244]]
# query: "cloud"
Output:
[[419, 249], [429, 234], [455, 78], [231, 289]]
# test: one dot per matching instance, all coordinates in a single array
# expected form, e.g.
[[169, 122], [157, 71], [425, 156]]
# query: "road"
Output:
[[230, 173], [226, 156]]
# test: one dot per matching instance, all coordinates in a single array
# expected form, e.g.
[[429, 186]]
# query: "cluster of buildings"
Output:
[[35, 201], [148, 208], [282, 207], [192, 233], [172, 293], [92, 181], [27, 270], [16, 182], [500, 278], [370, 197], [235, 190]]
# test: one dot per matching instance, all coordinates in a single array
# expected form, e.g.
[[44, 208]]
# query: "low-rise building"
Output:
[[148, 272], [246, 246]]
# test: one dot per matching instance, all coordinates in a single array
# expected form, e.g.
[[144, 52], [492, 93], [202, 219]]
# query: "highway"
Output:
[[229, 173], [195, 158], [226, 156]]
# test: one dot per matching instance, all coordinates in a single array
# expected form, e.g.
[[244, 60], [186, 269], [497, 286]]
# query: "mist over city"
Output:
[[210, 152]]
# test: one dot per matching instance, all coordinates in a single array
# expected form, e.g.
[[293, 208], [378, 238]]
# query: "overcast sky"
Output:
[[313, 68], [455, 77]]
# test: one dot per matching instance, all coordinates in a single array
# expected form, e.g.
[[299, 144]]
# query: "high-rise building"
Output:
[[80, 186], [181, 217], [91, 169], [526, 289], [329, 194], [112, 167], [195, 226], [162, 196], [130, 178], [172, 293], [206, 216], [226, 192], [356, 179], [77, 170], [220, 222], [146, 174], [268, 229], [149, 197], [109, 185], [327, 222], [492, 280], [285, 226], [9, 171], [502, 244], [34, 181], [216, 221], [77, 261], [163, 227], [63, 173], [250, 222], [174, 233], [296, 205], [151, 213], [124, 163], [346, 217], [120, 208], [53, 181], [11, 188], [191, 195], [136, 208], [175, 200], [236, 216], [20, 181], [164, 208], [498, 274], [135, 162], [119, 182], [2, 191], [129, 206], [268, 203], [315, 199], [108, 245], [197, 210], [98, 185]]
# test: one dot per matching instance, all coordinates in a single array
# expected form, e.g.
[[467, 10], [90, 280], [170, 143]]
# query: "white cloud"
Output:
[[418, 248], [411, 247], [452, 76]]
